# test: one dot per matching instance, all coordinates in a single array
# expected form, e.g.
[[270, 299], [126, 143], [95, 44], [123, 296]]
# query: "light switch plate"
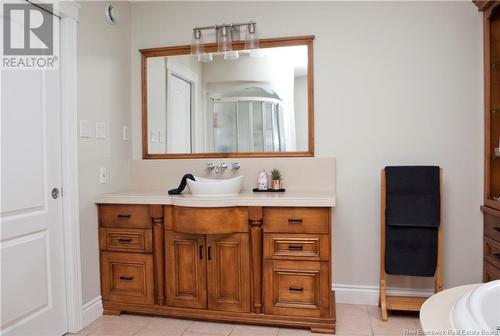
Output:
[[100, 130], [85, 126], [103, 176]]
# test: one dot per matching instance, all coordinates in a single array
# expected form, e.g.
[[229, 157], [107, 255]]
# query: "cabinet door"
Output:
[[186, 270], [228, 269]]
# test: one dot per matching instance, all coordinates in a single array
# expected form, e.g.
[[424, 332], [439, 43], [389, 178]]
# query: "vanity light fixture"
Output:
[[251, 40], [225, 34], [197, 47]]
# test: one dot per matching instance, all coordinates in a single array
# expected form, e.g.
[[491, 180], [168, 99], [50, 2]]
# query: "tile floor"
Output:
[[352, 320]]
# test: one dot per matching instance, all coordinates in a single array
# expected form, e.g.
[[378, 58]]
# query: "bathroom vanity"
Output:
[[252, 258]]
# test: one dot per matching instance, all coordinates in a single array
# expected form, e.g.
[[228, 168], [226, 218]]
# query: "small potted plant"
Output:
[[276, 178]]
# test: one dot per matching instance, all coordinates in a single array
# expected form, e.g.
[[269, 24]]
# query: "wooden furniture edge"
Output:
[[398, 302]]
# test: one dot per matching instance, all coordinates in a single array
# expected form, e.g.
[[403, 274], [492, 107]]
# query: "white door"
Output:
[[179, 115], [33, 298]]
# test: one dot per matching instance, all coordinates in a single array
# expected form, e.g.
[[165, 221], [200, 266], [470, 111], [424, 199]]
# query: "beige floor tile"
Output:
[[160, 326], [398, 323], [248, 330], [299, 332], [211, 328], [342, 309], [353, 325], [193, 333], [110, 328], [294, 332]]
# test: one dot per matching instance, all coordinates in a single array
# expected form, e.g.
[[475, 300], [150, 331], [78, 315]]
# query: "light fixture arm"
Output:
[[227, 25]]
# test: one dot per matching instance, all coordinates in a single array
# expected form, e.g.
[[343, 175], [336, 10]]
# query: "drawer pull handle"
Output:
[[201, 251], [296, 247], [296, 289], [126, 277], [210, 253], [123, 215], [497, 255], [125, 240], [295, 221], [497, 229]]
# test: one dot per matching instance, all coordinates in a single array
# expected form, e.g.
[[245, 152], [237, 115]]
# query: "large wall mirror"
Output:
[[255, 103]]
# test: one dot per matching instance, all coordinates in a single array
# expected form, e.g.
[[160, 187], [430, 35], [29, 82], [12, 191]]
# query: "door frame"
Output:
[[68, 12]]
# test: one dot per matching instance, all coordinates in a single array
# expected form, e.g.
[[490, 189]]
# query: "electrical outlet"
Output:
[[103, 176], [125, 133]]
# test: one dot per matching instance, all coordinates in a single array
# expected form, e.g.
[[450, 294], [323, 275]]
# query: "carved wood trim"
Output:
[[158, 252], [255, 221]]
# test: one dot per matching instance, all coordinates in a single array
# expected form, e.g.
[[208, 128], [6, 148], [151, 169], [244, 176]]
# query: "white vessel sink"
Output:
[[479, 310], [215, 187]]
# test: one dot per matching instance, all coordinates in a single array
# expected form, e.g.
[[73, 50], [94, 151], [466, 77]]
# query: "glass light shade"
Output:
[[231, 55], [197, 47], [224, 39], [205, 58], [251, 41]]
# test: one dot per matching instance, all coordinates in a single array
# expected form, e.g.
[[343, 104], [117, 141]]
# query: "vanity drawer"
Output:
[[127, 277], [126, 240], [210, 220], [124, 215], [491, 272], [296, 246], [296, 288], [492, 227], [492, 251], [296, 220]]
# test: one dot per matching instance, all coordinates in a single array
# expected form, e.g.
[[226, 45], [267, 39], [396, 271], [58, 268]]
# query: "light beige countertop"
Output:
[[246, 198]]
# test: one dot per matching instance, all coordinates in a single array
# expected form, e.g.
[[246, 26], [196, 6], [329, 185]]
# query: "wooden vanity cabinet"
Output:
[[258, 265], [491, 207]]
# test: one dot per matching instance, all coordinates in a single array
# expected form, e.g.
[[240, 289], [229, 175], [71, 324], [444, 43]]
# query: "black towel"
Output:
[[412, 219]]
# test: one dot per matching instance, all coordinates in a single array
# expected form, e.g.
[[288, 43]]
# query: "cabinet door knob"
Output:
[[295, 247], [123, 215], [126, 277], [497, 255], [295, 221], [210, 253], [125, 240], [201, 251]]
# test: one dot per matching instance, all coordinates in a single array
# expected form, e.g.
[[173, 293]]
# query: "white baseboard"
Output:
[[369, 295], [91, 311]]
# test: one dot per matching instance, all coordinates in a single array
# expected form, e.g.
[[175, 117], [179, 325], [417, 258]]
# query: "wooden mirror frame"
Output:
[[238, 45]]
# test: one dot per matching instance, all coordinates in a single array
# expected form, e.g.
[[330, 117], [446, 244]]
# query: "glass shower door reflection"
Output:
[[248, 126]]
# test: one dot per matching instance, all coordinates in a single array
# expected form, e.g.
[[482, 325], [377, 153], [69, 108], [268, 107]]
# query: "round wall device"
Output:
[[112, 14]]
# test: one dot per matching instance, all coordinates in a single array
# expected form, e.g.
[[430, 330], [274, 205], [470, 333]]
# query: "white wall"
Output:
[[395, 83], [300, 110], [103, 95]]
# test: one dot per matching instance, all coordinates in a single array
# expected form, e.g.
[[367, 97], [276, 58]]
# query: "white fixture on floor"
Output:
[[215, 187], [472, 308], [478, 310]]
